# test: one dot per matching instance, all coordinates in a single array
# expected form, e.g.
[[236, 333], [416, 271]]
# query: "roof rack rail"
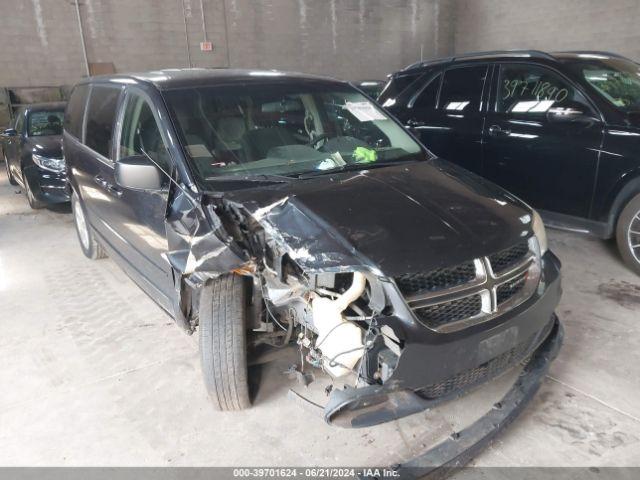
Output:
[[596, 52], [490, 53]]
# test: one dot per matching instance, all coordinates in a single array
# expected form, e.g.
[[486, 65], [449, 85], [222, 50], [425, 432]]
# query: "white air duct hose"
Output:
[[338, 338]]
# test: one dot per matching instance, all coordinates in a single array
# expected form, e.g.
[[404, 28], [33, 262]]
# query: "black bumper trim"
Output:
[[460, 448]]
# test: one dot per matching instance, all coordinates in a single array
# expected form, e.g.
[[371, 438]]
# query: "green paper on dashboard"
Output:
[[365, 155]]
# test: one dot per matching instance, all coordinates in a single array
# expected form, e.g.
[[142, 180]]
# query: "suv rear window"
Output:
[[101, 114], [462, 89], [75, 111]]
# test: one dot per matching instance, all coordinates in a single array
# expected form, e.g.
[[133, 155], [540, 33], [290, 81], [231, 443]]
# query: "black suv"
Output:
[[265, 209], [561, 131], [32, 153]]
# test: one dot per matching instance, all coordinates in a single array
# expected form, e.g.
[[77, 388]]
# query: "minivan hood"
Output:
[[47, 145], [391, 220]]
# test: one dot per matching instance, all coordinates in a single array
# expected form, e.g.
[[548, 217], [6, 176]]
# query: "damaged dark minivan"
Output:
[[269, 209]]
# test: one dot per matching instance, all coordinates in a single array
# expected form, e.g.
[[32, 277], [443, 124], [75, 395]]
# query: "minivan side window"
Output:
[[75, 111], [103, 103], [462, 89], [529, 90], [141, 134]]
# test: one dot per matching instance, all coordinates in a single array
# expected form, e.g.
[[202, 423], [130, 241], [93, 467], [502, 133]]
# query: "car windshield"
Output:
[[284, 130], [617, 80], [45, 122]]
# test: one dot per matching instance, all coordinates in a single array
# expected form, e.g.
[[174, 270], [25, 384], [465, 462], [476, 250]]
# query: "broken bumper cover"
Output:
[[461, 447], [373, 405]]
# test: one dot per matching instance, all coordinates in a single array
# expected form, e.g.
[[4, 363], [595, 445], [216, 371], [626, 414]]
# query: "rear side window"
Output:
[[426, 99], [101, 115], [462, 89], [396, 86], [75, 111]]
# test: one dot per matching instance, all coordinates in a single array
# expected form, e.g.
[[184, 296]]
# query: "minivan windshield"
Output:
[[616, 80], [284, 130]]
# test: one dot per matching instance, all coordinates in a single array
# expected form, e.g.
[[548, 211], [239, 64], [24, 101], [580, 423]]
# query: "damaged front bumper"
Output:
[[373, 405], [430, 372], [461, 447]]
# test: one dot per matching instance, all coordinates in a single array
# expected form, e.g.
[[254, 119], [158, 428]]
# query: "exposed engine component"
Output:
[[339, 340]]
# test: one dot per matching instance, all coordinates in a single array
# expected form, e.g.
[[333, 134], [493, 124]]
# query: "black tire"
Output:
[[12, 180], [89, 244], [223, 342], [34, 203], [628, 234]]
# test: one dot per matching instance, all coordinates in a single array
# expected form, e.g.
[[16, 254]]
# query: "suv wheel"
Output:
[[9, 175], [223, 342], [628, 234], [88, 243]]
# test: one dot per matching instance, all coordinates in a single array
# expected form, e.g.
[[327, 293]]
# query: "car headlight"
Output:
[[540, 232], [52, 164]]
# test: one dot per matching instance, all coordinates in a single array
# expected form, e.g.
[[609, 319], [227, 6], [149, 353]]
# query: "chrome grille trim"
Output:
[[486, 284]]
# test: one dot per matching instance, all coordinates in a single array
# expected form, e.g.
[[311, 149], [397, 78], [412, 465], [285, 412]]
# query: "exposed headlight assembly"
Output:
[[540, 232], [52, 164]]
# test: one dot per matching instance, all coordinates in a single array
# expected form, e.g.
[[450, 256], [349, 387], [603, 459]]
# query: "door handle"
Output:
[[100, 181], [112, 189], [497, 131]]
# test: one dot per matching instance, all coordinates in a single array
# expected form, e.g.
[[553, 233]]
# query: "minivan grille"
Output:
[[508, 289], [449, 299], [509, 257], [440, 314], [411, 283]]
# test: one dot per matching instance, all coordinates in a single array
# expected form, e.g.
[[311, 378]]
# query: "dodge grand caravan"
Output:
[[262, 208], [560, 130]]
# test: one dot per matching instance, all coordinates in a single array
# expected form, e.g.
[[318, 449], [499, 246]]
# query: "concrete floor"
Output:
[[93, 373]]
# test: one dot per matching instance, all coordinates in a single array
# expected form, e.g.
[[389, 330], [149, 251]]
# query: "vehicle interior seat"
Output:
[[257, 143]]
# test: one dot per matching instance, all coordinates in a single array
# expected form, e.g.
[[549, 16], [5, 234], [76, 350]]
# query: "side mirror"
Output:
[[10, 132], [138, 173], [573, 112]]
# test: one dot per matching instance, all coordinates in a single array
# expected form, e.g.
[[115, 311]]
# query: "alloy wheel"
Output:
[[633, 236]]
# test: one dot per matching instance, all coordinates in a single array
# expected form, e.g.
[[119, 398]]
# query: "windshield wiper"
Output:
[[352, 167], [260, 177]]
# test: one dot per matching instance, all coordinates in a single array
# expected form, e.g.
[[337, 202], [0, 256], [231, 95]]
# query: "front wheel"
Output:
[[628, 234], [223, 342], [88, 243]]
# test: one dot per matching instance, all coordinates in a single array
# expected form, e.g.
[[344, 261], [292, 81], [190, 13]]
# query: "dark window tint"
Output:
[[528, 90], [75, 111], [426, 99], [141, 134], [100, 118], [397, 85], [462, 89]]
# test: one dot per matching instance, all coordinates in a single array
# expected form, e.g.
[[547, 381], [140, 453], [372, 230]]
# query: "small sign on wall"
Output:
[[206, 46]]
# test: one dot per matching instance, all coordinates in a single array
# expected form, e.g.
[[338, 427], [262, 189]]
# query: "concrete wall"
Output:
[[344, 38], [550, 25]]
